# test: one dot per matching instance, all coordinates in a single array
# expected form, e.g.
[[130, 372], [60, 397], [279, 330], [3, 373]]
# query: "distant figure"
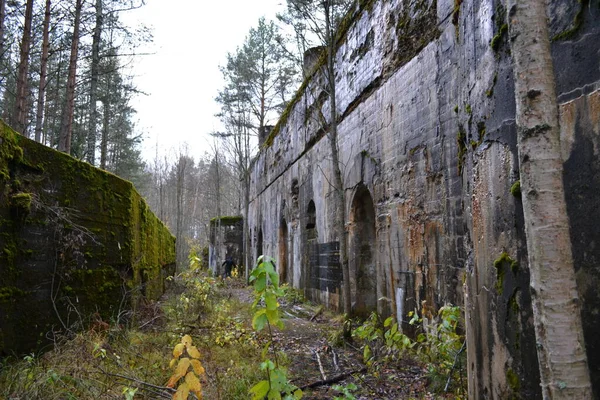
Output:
[[228, 264]]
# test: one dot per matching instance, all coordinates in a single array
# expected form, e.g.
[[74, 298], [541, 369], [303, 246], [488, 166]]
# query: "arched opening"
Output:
[[283, 251], [259, 243], [362, 253], [311, 221]]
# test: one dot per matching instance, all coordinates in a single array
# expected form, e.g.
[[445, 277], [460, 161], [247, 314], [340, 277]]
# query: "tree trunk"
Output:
[[39, 116], [246, 229], [20, 115], [94, 72], [340, 203], [2, 32], [557, 317], [181, 168], [105, 129], [64, 144]]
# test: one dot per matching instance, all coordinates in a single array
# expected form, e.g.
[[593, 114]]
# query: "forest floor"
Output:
[[318, 359], [129, 359]]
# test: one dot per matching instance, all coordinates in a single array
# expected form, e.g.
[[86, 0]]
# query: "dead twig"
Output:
[[162, 391], [456, 360], [319, 312], [335, 379], [320, 365]]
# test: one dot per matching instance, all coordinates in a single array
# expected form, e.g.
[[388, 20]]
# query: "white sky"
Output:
[[182, 78]]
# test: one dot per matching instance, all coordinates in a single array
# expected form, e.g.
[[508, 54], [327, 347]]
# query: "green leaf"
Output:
[[271, 301], [260, 283], [388, 321], [260, 320], [260, 390], [367, 354], [267, 365], [273, 316]]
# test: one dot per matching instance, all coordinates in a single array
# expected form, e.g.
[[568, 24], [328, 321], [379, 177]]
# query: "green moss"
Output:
[[481, 131], [226, 220], [497, 40], [500, 265], [456, 109], [576, 25], [515, 189], [490, 91], [513, 380], [513, 304], [9, 293], [21, 201], [501, 28], [456, 16]]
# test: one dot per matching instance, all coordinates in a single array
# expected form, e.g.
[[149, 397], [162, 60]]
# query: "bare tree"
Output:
[[557, 316], [39, 116], [19, 119], [66, 131]]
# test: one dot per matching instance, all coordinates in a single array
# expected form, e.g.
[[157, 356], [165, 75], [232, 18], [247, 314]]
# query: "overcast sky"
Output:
[[191, 40]]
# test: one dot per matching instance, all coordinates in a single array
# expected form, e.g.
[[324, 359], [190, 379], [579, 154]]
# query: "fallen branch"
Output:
[[320, 365], [319, 312], [335, 379], [335, 363], [163, 391]]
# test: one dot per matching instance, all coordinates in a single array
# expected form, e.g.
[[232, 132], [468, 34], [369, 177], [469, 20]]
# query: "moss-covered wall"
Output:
[[74, 240]]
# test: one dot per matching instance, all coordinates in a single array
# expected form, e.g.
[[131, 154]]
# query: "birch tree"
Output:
[[557, 316]]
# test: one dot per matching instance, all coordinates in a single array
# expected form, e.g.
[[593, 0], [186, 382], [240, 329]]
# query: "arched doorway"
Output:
[[259, 243], [362, 252], [283, 251]]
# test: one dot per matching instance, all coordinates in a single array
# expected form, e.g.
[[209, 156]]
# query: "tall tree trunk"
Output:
[[181, 168], [94, 72], [557, 316], [2, 33], [64, 143], [105, 128], [20, 115], [340, 204], [39, 116]]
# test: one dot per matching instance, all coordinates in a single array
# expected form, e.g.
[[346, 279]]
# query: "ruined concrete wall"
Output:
[[427, 139], [74, 240], [226, 240]]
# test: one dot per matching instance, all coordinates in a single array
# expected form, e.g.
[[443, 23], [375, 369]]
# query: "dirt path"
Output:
[[311, 342]]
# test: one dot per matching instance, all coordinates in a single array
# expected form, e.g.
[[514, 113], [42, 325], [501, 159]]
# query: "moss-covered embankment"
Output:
[[74, 241]]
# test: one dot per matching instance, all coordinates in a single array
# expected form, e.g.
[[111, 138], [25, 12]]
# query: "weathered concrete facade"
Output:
[[74, 241], [427, 139]]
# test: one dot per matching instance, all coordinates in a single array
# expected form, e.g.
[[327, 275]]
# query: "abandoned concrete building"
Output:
[[427, 138]]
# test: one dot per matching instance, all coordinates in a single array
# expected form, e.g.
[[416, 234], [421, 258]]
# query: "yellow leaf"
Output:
[[173, 381], [186, 340], [172, 363], [193, 352], [198, 368], [182, 393], [182, 367], [178, 350], [193, 382]]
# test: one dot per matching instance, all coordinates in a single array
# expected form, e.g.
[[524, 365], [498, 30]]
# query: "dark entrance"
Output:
[[362, 253], [283, 251]]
